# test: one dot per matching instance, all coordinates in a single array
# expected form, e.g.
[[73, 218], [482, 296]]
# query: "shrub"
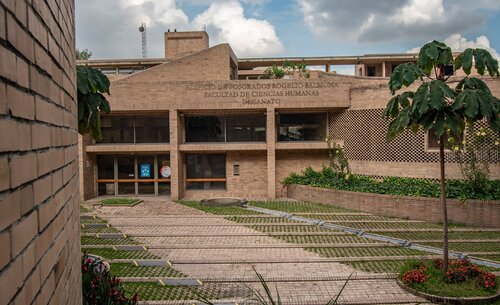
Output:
[[415, 276], [486, 280], [329, 178], [99, 288]]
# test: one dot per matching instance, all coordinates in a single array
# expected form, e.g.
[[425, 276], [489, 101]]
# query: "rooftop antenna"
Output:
[[142, 29]]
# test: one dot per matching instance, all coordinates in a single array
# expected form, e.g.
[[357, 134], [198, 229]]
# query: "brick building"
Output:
[[201, 123], [39, 202]]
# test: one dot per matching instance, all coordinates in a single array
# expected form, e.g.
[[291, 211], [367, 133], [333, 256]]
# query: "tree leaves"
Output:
[[472, 83], [482, 59], [401, 100], [91, 80], [91, 83], [464, 61], [404, 74], [434, 104], [434, 54]]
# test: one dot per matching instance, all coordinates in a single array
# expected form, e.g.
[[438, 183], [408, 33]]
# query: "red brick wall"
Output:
[[477, 213], [39, 213]]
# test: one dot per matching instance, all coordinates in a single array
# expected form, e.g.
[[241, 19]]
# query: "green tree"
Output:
[[91, 84], [84, 54], [437, 107]]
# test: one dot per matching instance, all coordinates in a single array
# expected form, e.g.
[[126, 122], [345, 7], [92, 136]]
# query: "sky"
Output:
[[265, 28]]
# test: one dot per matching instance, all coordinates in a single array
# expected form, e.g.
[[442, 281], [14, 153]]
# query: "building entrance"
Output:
[[133, 175]]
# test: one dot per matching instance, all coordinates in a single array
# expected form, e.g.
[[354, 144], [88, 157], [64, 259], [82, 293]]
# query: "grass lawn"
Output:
[[301, 233], [120, 201]]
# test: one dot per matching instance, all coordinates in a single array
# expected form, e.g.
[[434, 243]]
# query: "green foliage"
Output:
[[434, 104], [474, 154], [338, 160], [288, 68], [268, 299], [84, 54], [91, 84], [434, 54], [459, 189], [230, 210], [119, 201]]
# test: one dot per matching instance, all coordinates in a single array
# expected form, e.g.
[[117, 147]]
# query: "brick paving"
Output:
[[301, 277]]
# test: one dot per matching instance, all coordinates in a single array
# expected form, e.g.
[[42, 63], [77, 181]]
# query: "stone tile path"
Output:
[[304, 279]]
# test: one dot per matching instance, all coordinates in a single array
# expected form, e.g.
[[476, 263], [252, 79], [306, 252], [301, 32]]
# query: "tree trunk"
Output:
[[443, 204]]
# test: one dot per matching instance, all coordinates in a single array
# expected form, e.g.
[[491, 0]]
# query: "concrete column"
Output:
[[271, 153], [176, 183], [327, 68], [383, 69]]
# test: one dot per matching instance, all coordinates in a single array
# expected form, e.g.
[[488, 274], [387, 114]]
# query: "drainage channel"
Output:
[[361, 233]]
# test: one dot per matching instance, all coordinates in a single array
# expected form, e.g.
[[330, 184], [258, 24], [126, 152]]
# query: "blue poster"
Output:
[[145, 170]]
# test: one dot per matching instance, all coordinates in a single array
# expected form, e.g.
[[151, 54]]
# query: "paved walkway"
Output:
[[303, 279]]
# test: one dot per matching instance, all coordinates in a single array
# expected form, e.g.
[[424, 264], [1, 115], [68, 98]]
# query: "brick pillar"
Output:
[[176, 163], [39, 201], [87, 168], [271, 153]]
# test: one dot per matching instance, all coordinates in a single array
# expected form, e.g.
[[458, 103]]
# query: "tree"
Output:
[[91, 84], [437, 107], [84, 54]]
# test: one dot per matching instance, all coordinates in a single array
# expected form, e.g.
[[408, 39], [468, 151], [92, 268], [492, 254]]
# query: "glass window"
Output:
[[230, 128], [164, 172], [371, 71], [301, 126], [135, 129], [105, 170], [105, 167], [151, 129], [205, 129], [117, 129], [206, 171], [126, 188], [246, 128], [126, 165]]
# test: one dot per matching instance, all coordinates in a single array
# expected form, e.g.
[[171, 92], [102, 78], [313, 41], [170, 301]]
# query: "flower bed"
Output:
[[464, 283]]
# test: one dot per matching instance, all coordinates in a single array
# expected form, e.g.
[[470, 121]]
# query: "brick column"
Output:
[[176, 180], [39, 202], [271, 153]]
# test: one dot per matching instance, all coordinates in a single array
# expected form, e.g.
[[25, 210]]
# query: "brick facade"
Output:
[[479, 213], [202, 82], [39, 202]]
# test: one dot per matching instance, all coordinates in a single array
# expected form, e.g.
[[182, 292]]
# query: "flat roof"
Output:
[[250, 63]]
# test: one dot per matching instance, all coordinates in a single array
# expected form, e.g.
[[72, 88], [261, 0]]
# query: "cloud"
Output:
[[226, 22], [110, 28], [392, 20], [457, 43]]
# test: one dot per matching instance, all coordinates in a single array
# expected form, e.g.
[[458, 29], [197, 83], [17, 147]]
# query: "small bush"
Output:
[[415, 276], [486, 280]]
